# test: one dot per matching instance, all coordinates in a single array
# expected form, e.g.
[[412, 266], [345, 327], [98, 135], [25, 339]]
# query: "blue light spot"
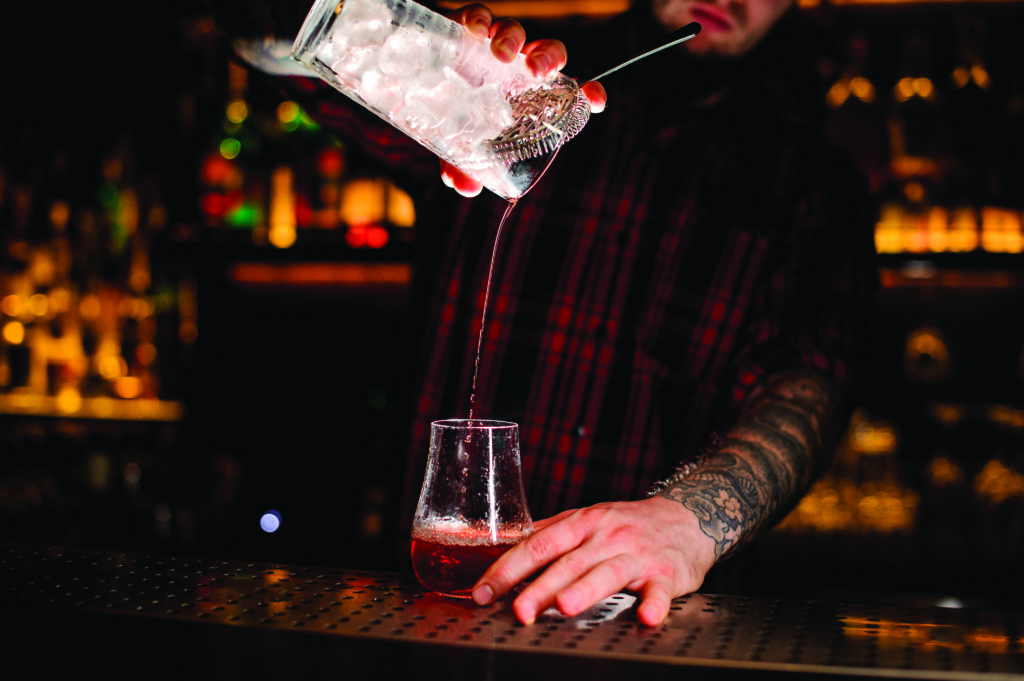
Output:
[[270, 521]]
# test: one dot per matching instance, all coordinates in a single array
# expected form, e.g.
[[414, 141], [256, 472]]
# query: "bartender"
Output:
[[678, 307]]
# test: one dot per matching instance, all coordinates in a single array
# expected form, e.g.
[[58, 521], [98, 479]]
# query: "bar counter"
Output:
[[142, 615]]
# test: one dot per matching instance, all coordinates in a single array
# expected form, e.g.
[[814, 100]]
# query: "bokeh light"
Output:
[[230, 148], [270, 521]]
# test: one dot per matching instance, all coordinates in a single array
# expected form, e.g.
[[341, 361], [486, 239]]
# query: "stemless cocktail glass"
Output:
[[472, 506]]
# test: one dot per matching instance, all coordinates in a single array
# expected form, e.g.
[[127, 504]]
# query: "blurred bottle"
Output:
[[971, 117], [855, 121], [233, 190], [916, 124], [1008, 184], [326, 199]]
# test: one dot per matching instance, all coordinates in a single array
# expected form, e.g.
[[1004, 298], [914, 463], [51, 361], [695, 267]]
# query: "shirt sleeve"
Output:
[[813, 309]]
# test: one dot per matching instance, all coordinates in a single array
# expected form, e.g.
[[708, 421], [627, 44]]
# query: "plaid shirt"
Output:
[[669, 262]]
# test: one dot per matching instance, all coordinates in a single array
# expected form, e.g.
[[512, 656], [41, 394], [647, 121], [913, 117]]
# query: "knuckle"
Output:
[[615, 573], [573, 563], [539, 547], [591, 516]]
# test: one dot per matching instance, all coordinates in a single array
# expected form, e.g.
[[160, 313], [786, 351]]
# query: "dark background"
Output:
[[296, 395]]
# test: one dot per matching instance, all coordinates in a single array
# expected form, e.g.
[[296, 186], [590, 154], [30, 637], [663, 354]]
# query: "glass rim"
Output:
[[314, 29], [473, 424]]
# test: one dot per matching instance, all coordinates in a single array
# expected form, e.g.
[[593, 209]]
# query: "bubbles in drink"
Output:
[[450, 561]]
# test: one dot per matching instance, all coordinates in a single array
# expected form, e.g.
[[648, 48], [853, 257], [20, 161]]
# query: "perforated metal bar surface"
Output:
[[388, 613]]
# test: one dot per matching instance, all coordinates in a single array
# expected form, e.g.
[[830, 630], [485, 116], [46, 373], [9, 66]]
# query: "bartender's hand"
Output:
[[654, 547], [508, 38], [663, 547]]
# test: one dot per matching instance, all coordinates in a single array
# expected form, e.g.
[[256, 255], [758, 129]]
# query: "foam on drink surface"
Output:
[[458, 533]]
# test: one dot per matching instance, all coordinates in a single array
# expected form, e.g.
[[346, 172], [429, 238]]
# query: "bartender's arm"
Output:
[[662, 547]]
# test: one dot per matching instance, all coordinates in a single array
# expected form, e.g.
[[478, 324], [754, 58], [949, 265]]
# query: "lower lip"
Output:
[[711, 21]]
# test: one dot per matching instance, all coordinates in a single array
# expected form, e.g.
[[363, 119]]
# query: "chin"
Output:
[[711, 51]]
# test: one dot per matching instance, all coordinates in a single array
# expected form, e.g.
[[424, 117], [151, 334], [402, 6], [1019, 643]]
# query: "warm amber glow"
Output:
[[128, 387], [904, 89], [924, 87], [38, 304], [914, 191], [997, 482], [838, 93], [188, 332], [12, 305], [282, 208], [1001, 231], [90, 307], [842, 506], [287, 112], [908, 87], [942, 472], [362, 201], [913, 237], [321, 273], [914, 166], [926, 356], [927, 342], [888, 510], [947, 414], [1006, 415], [273, 576], [103, 407], [867, 438], [887, 231], [139, 307], [112, 367], [60, 300], [980, 76], [14, 333], [401, 210], [128, 211], [145, 353], [862, 89], [60, 213], [69, 400], [961, 76], [858, 87], [938, 230], [237, 111], [41, 266], [900, 230], [928, 636], [963, 231]]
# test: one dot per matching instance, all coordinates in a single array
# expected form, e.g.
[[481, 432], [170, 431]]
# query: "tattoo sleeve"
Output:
[[764, 464]]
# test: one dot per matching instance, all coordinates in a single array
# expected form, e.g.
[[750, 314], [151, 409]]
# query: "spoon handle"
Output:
[[678, 36]]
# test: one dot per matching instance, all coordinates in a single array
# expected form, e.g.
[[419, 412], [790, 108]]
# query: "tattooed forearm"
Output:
[[764, 463]]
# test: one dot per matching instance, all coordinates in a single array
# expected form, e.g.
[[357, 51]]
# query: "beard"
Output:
[[702, 75]]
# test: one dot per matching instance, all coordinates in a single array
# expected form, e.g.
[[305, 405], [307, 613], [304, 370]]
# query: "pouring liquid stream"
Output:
[[487, 295], [676, 37]]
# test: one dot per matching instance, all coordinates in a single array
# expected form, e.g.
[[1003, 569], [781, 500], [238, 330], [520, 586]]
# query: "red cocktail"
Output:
[[472, 506], [451, 563]]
